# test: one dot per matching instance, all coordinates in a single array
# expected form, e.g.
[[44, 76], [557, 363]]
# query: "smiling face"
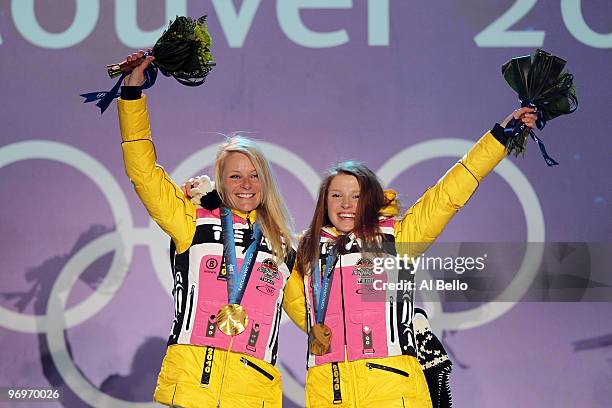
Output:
[[241, 183], [342, 200]]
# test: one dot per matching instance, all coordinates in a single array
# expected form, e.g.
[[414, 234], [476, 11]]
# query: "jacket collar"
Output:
[[250, 216]]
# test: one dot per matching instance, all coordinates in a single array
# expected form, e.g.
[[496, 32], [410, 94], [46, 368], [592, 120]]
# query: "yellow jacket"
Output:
[[191, 375], [397, 380], [425, 220]]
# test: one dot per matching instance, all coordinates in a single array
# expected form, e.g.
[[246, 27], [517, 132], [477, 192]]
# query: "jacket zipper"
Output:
[[227, 356], [391, 320], [249, 363], [342, 297], [308, 321], [248, 220], [276, 321], [387, 368], [188, 325], [308, 330]]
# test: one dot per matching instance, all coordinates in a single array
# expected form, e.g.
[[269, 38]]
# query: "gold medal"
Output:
[[320, 339], [232, 319]]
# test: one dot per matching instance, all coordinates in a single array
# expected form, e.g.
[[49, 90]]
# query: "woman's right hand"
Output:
[[188, 185], [197, 187], [136, 77]]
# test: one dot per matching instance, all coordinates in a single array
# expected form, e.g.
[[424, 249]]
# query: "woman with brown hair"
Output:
[[362, 350]]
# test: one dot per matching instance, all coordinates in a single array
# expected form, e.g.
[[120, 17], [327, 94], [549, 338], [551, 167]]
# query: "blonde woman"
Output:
[[231, 257]]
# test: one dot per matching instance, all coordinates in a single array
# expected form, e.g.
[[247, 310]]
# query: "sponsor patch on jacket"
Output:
[[269, 271], [210, 265], [209, 355], [268, 290], [364, 269], [222, 271]]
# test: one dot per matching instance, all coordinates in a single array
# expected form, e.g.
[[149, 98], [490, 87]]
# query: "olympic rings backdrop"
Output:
[[405, 87]]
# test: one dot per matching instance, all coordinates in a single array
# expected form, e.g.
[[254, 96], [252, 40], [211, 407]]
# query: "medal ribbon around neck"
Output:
[[237, 279], [321, 290]]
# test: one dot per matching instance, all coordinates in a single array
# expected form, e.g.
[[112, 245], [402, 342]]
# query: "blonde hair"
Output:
[[272, 213]]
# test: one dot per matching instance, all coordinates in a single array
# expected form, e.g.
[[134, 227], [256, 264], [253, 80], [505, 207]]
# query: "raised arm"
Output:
[[162, 198], [427, 218]]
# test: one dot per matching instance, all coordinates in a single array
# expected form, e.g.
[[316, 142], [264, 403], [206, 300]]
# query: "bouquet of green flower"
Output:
[[541, 83], [183, 52]]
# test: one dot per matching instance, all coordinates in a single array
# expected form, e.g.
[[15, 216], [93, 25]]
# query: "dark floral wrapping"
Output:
[[183, 51], [541, 83]]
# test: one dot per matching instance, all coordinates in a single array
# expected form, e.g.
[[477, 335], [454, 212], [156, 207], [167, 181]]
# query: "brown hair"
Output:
[[371, 200]]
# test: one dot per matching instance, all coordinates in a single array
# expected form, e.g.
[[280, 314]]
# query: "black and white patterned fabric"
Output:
[[434, 360]]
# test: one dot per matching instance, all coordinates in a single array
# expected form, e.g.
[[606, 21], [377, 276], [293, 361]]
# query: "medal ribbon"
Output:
[[235, 290], [321, 290], [516, 128]]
